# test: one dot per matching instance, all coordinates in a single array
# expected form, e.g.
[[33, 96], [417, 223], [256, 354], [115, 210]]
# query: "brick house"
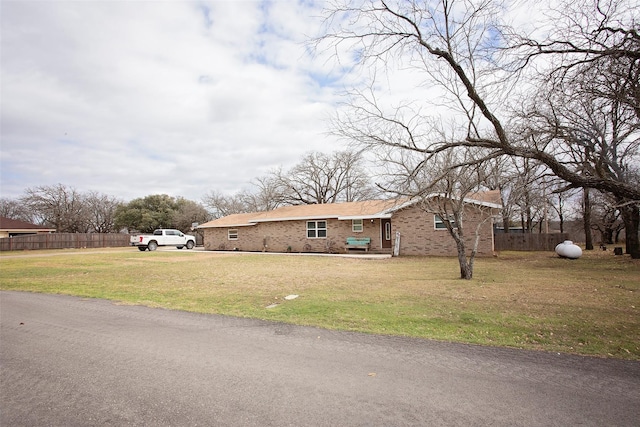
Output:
[[325, 228]]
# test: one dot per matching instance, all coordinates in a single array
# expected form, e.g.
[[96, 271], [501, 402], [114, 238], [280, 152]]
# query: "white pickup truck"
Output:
[[165, 237]]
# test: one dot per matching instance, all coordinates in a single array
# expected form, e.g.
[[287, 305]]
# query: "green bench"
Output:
[[358, 243]]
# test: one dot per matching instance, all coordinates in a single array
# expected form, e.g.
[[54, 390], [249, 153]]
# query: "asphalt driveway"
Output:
[[68, 361]]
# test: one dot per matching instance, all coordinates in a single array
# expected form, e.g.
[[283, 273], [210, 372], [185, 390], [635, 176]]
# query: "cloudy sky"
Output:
[[132, 98]]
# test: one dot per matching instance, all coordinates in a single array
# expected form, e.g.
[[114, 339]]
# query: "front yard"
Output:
[[524, 300]]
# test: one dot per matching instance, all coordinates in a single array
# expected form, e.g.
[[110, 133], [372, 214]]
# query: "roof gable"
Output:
[[492, 197]]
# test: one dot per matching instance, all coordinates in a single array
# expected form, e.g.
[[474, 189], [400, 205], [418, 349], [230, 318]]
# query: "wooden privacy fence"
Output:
[[63, 241], [528, 242]]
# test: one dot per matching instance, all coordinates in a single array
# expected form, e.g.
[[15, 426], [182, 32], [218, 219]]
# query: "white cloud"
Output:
[[139, 98], [132, 98]]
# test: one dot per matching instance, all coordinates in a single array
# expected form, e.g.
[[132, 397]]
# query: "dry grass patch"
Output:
[[525, 300]]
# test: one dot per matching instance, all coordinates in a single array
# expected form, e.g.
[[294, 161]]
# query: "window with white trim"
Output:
[[232, 234], [316, 229], [357, 225], [439, 224]]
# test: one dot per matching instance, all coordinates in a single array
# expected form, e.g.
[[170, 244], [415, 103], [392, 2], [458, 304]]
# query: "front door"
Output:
[[386, 232]]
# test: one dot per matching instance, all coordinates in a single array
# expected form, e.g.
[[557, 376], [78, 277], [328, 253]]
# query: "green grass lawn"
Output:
[[524, 300]]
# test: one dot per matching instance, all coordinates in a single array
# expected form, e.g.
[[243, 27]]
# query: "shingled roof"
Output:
[[348, 210], [8, 224], [367, 209]]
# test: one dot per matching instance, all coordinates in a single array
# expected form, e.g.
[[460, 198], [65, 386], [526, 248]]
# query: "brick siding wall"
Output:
[[418, 235], [278, 236]]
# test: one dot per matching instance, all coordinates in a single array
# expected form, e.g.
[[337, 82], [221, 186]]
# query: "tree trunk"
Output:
[[505, 224], [586, 215], [631, 218], [466, 268]]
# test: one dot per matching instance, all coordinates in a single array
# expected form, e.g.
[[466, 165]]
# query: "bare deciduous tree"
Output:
[[101, 212], [606, 218], [600, 37], [57, 206], [598, 136], [220, 205], [525, 192], [454, 187], [445, 189], [325, 178], [457, 45], [318, 178], [560, 202], [14, 209], [528, 198], [268, 195]]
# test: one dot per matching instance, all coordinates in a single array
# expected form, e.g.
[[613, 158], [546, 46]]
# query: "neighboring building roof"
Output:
[[8, 224], [368, 209]]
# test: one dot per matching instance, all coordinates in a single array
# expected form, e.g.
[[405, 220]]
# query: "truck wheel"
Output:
[[142, 248], [190, 244], [152, 246]]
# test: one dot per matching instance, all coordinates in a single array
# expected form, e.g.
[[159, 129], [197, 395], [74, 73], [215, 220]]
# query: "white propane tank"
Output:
[[567, 249]]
